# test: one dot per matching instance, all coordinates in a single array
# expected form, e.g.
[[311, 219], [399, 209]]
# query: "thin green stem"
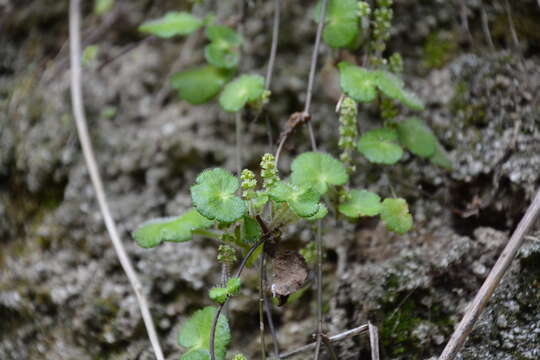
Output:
[[207, 233]]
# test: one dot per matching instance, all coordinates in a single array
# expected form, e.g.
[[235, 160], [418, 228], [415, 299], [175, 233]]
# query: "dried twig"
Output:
[[490, 284], [273, 48], [82, 129], [515, 39], [485, 28], [373, 341], [338, 337]]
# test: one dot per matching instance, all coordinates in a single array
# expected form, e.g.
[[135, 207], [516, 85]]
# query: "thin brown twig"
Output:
[[338, 337], [492, 281], [329, 346], [86, 144], [273, 48], [515, 39]]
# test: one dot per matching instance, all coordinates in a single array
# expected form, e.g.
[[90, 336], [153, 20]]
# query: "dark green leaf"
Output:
[[361, 203], [416, 136], [318, 170], [199, 85]]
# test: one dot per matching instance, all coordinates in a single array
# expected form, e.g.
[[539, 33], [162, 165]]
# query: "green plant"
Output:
[[245, 215]]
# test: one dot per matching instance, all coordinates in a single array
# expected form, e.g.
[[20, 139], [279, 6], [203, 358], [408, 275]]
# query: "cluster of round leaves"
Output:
[[384, 145], [195, 335], [201, 84]]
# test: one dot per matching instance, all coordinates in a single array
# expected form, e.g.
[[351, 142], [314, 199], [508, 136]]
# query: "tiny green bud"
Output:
[[226, 254], [248, 185], [269, 172], [396, 63], [363, 9]]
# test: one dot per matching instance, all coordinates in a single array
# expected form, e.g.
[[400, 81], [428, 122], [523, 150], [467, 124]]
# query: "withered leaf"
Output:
[[290, 272]]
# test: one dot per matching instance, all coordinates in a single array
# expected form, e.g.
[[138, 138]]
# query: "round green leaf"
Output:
[[440, 158], [233, 286], [301, 199], [318, 170], [320, 214], [395, 215], [361, 203], [380, 146], [356, 82], [214, 196], [172, 24], [251, 230], [195, 333], [199, 85], [218, 294], [417, 137], [223, 34], [245, 89], [340, 32], [175, 229], [222, 57]]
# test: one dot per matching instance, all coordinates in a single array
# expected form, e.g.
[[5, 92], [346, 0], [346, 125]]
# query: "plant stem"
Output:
[[237, 274], [238, 148], [338, 337], [490, 284], [330, 347], [261, 306], [319, 289], [82, 130], [273, 48]]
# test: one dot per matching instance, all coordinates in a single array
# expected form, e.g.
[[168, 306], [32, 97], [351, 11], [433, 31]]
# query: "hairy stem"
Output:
[[221, 306], [82, 130]]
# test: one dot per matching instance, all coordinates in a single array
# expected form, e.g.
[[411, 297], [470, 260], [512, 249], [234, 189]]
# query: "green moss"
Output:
[[472, 113], [439, 49]]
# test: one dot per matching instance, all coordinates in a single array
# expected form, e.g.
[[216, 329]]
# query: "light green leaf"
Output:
[[302, 200], [195, 333], [395, 215], [233, 286], [90, 54], [218, 294], [175, 229], [318, 170], [416, 136], [102, 6], [199, 85], [172, 24], [252, 231], [199, 354], [361, 203], [320, 214], [245, 89], [357, 82], [222, 57], [223, 34], [393, 87], [380, 146], [214, 196], [342, 22]]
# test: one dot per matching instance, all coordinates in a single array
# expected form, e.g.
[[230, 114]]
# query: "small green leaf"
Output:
[[395, 215], [356, 82], [214, 196], [199, 85], [303, 201], [233, 286], [221, 57], [199, 354], [175, 229], [244, 89], [90, 54], [440, 158], [223, 34], [172, 24], [342, 22], [318, 170], [416, 136], [320, 214], [102, 6], [380, 146], [393, 87], [252, 231], [361, 203], [195, 333], [218, 294]]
